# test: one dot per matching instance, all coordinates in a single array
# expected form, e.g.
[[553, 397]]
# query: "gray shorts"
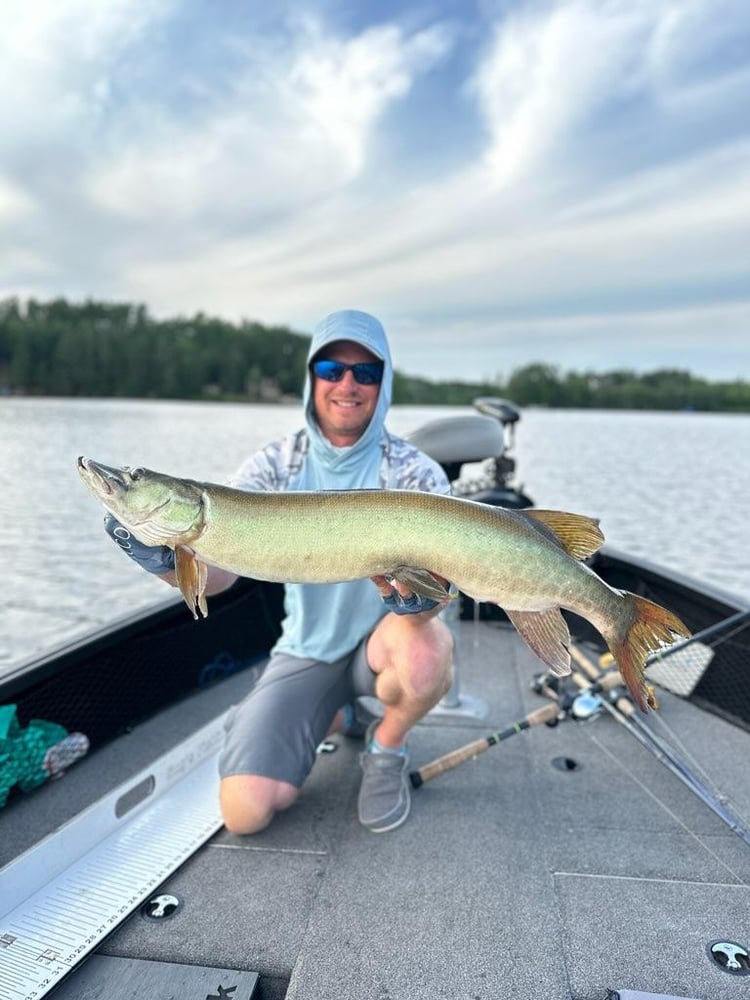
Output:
[[276, 730]]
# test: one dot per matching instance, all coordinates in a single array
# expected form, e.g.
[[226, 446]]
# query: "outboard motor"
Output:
[[485, 437], [501, 409]]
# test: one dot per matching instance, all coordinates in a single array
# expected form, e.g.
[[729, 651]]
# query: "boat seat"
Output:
[[456, 440]]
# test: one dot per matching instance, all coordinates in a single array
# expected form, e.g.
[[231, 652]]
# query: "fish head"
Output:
[[158, 509]]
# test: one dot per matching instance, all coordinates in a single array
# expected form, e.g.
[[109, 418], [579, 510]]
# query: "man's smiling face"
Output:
[[344, 409]]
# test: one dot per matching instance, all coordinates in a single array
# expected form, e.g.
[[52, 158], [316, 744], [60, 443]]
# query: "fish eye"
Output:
[[136, 474]]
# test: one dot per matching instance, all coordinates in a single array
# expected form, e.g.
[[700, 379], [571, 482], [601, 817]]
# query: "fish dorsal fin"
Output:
[[579, 535], [191, 576], [546, 633]]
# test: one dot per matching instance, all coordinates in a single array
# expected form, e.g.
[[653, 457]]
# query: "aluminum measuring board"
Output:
[[62, 897]]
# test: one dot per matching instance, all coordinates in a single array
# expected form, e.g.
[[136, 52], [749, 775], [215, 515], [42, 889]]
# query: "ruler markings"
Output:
[[10, 994], [20, 948], [83, 897], [32, 930], [96, 895], [35, 922], [56, 926], [44, 918], [9, 967], [18, 963], [10, 981]]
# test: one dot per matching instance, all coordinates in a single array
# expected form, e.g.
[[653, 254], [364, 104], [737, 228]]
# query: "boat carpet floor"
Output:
[[512, 878]]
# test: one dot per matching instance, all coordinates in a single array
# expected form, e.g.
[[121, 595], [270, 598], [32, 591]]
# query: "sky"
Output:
[[501, 182]]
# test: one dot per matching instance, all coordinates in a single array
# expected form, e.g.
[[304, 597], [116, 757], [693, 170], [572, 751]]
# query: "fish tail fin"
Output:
[[648, 627]]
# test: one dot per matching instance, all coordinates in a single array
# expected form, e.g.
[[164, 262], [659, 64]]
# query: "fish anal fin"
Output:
[[579, 535], [191, 575], [546, 633], [422, 582]]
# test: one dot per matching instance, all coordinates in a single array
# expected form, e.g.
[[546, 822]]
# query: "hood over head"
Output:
[[364, 329]]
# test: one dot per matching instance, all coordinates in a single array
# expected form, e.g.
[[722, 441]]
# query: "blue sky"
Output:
[[500, 182]]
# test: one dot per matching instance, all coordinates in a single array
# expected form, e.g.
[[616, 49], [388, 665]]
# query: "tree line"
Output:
[[59, 348]]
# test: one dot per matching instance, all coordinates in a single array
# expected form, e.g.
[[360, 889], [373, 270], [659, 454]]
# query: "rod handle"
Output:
[[591, 671], [626, 706], [470, 750], [544, 714], [448, 761], [606, 682]]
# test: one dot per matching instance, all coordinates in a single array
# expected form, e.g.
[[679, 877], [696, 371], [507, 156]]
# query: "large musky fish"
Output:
[[526, 562]]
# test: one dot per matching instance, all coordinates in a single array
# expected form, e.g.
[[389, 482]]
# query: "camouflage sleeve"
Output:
[[405, 467], [269, 469]]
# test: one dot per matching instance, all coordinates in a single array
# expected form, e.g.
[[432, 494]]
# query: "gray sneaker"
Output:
[[384, 798]]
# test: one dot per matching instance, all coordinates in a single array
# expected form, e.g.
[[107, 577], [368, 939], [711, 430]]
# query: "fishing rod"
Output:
[[547, 713], [625, 713], [665, 756], [596, 683], [594, 672], [739, 618], [622, 709]]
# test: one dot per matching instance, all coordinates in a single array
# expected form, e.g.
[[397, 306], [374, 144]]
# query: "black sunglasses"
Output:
[[365, 372]]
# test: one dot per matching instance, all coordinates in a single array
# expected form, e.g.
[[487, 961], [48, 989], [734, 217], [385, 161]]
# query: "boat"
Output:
[[559, 844]]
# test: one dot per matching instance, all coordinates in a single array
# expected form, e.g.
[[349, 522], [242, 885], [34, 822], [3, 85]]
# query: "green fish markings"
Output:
[[528, 562]]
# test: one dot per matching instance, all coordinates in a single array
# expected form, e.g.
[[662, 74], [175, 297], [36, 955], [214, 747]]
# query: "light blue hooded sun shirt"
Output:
[[327, 621]]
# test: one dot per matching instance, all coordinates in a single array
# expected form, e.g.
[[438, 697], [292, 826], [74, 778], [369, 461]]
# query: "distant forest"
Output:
[[59, 348]]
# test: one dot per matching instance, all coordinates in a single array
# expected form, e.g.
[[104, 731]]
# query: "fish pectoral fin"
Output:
[[579, 535], [422, 582], [192, 575], [546, 633]]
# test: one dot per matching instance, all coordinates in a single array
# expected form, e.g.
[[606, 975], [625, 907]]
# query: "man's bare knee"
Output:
[[417, 671], [425, 667], [428, 674], [249, 801]]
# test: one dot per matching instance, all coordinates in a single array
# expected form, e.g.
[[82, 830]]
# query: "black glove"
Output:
[[153, 558], [411, 605]]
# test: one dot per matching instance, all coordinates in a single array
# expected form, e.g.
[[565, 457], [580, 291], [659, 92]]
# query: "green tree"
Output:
[[536, 383], [117, 349]]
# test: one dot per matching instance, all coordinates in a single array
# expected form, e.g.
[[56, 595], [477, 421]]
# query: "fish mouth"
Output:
[[105, 479]]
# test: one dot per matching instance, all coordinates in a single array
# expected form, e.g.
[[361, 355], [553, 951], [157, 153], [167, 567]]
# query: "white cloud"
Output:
[[56, 59], [638, 339], [685, 33], [557, 78], [14, 201], [547, 71], [611, 177], [295, 127], [455, 245], [343, 87]]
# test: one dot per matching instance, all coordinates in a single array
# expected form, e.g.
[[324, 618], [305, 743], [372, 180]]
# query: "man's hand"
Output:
[[156, 559], [399, 599]]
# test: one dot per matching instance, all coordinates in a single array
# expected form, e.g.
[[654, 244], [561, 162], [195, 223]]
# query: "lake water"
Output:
[[669, 486]]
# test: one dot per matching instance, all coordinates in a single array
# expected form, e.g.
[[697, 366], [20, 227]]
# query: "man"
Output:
[[342, 641]]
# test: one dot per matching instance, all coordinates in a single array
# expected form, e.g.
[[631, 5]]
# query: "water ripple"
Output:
[[670, 487]]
